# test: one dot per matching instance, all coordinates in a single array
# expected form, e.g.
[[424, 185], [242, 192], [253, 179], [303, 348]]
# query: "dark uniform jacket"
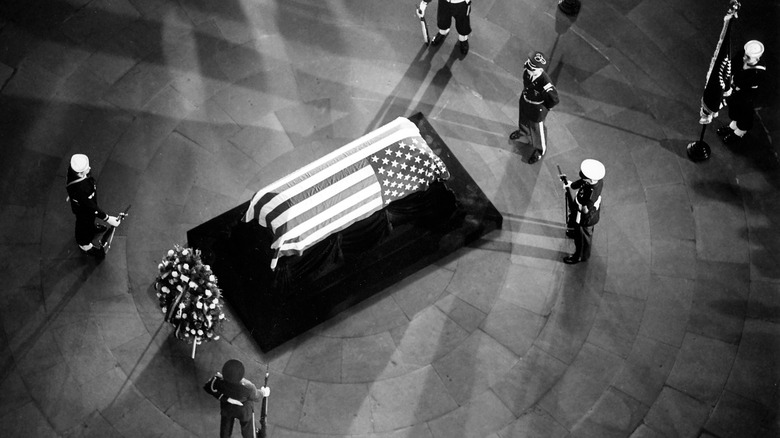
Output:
[[588, 195], [82, 194], [245, 393], [746, 82], [539, 96]]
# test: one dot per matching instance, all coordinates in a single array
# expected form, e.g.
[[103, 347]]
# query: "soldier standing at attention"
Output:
[[539, 96], [82, 194], [460, 10], [585, 208], [742, 95]]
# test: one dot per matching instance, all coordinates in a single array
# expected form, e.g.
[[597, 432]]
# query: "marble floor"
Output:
[[186, 107]]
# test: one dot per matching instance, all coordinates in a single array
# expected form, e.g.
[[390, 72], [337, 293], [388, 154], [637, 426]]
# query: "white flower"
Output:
[[175, 274], [209, 334], [181, 305], [200, 332], [165, 289], [212, 278], [216, 337], [193, 285], [199, 305], [159, 294], [221, 316], [185, 252], [208, 293], [170, 253], [211, 306], [160, 266], [207, 267], [193, 331], [184, 278], [179, 288], [186, 267], [165, 309]]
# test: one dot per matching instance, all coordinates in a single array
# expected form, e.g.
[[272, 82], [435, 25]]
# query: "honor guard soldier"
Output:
[[460, 10], [584, 209], [539, 96], [741, 97], [82, 194], [236, 395]]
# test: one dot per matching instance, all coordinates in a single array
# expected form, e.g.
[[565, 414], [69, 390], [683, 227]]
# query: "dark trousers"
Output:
[[85, 229], [741, 110], [530, 123], [459, 11], [583, 236], [226, 427]]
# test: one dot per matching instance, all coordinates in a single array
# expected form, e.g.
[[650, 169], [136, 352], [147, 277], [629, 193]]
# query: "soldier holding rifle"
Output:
[[584, 207], [236, 395]]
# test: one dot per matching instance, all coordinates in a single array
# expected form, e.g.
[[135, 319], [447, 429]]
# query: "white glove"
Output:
[[113, 221], [421, 9], [727, 93], [266, 391]]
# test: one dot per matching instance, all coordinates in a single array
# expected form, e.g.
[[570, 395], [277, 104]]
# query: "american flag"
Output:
[[345, 186]]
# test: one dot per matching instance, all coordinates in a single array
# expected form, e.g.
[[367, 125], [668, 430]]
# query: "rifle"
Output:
[[424, 24], [264, 410], [108, 236], [569, 199]]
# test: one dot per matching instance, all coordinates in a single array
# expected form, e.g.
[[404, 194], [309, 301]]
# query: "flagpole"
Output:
[[700, 150]]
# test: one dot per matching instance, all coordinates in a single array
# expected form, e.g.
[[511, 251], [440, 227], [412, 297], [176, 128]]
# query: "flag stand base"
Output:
[[569, 7], [698, 150]]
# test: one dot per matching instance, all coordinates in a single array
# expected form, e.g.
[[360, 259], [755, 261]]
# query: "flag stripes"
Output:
[[343, 187]]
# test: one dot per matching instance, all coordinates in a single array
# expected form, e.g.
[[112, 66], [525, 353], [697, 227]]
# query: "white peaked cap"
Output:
[[79, 163], [754, 49], [592, 169]]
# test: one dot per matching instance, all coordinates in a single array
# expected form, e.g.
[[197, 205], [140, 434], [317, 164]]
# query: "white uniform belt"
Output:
[[531, 101]]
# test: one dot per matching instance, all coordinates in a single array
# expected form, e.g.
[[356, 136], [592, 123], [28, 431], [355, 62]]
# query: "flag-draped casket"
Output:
[[345, 186]]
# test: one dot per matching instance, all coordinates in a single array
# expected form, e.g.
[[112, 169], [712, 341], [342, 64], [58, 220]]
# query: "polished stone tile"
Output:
[[477, 364], [534, 422], [483, 415], [529, 380], [721, 233], [317, 357], [414, 398], [617, 323], [581, 385], [370, 358], [667, 310], [669, 212], [737, 416], [674, 258], [615, 414], [676, 414], [94, 425], [58, 396], [718, 309], [478, 278], [702, 367], [431, 335], [513, 327], [464, 314], [756, 363], [336, 409], [646, 369], [28, 419]]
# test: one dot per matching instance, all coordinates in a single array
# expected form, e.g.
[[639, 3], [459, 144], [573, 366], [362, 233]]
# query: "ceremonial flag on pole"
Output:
[[719, 73], [345, 186]]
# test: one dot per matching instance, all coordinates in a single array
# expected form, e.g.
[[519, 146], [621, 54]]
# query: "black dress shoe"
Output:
[[723, 130], [464, 47], [571, 260], [438, 39], [537, 155], [515, 135], [570, 234]]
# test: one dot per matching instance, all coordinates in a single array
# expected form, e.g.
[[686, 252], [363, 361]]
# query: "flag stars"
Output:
[[394, 192], [399, 154], [417, 159], [385, 161], [408, 186], [374, 158], [390, 173], [394, 163], [406, 177], [408, 157], [404, 166], [388, 152], [393, 184], [413, 169], [381, 170], [385, 182], [399, 175]]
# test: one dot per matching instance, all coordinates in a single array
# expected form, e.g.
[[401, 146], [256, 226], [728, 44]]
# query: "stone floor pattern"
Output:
[[186, 107]]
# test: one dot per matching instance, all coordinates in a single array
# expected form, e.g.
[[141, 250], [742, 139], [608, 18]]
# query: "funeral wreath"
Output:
[[189, 296]]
